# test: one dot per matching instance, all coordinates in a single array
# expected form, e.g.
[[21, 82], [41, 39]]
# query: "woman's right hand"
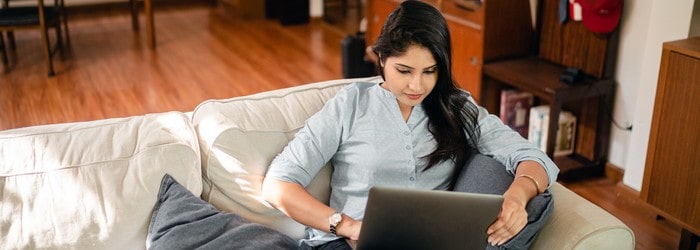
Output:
[[349, 228], [351, 231]]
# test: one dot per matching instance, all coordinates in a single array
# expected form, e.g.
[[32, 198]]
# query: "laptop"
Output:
[[421, 219]]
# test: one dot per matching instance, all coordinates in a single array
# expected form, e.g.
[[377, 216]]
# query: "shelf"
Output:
[[541, 78], [591, 96], [575, 167]]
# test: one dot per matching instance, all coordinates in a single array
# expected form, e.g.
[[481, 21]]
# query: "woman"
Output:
[[414, 130]]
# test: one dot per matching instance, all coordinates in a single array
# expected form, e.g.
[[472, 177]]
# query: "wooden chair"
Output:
[[39, 17]]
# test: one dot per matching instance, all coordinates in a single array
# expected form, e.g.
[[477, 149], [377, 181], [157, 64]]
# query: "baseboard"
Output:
[[613, 172], [633, 196]]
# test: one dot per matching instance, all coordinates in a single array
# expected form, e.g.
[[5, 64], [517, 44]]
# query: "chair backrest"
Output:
[[38, 16]]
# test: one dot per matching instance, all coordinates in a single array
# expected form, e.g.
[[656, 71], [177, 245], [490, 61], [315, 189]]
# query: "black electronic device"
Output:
[[571, 76], [353, 57]]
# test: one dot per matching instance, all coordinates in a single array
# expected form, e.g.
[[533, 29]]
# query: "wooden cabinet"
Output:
[[672, 172], [481, 31]]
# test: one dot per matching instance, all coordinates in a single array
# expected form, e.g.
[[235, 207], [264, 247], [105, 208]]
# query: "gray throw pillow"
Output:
[[181, 220], [483, 174]]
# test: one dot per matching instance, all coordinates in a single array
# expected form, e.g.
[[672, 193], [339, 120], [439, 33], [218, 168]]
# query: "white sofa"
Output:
[[93, 185]]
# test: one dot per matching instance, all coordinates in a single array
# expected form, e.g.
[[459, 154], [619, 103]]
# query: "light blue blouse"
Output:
[[362, 132]]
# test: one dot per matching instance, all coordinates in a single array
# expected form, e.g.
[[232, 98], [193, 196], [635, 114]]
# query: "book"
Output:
[[515, 109], [539, 130]]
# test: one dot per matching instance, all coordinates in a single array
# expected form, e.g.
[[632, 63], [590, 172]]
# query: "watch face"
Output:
[[335, 219]]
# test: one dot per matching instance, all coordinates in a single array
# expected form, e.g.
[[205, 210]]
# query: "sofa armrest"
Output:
[[576, 223]]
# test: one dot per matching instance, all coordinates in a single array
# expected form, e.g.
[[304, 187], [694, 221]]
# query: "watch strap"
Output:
[[334, 220]]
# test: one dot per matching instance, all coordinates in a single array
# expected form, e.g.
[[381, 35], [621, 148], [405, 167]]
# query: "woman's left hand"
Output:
[[511, 220]]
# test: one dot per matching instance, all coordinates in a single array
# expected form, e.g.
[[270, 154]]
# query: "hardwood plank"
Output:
[[650, 232], [202, 53]]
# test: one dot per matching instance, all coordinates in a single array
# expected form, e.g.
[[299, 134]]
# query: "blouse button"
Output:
[[408, 147], [406, 133], [412, 179]]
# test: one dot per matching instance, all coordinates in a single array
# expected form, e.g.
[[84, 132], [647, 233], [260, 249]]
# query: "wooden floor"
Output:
[[204, 53]]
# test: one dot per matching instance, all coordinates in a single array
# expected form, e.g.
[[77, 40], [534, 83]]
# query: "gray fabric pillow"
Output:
[[483, 174], [181, 220]]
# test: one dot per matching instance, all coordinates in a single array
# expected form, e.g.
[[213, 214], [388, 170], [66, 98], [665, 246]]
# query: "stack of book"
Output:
[[515, 109], [538, 130]]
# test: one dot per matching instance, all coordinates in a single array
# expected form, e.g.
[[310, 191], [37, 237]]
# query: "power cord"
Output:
[[609, 112]]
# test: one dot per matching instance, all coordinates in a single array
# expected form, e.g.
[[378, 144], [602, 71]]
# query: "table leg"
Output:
[[149, 23]]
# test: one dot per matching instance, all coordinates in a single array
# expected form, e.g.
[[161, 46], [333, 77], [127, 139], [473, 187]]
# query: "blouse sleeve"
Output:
[[508, 147], [313, 145]]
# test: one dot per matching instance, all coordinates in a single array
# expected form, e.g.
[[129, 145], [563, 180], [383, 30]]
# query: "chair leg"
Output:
[[59, 39], [134, 14], [64, 18], [47, 51], [11, 40], [3, 49]]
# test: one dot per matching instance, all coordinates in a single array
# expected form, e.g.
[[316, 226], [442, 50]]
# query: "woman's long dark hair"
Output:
[[452, 117]]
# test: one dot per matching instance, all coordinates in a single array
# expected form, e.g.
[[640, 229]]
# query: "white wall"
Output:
[[646, 24], [316, 8]]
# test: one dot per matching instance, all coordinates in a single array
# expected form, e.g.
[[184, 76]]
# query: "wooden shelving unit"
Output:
[[587, 99], [560, 46]]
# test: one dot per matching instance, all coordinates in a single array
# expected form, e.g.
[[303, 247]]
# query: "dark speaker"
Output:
[[294, 12], [353, 57], [288, 11]]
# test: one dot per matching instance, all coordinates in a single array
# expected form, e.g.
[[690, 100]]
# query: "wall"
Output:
[[316, 8], [645, 26]]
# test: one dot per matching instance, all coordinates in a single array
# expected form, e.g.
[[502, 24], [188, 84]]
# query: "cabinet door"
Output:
[[672, 169], [466, 56], [379, 10]]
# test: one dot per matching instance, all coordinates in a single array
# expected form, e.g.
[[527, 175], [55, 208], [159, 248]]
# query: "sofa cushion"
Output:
[[91, 185], [183, 221], [240, 136]]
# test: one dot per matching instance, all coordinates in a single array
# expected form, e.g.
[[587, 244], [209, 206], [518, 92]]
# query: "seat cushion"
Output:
[[18, 16], [91, 185], [240, 136]]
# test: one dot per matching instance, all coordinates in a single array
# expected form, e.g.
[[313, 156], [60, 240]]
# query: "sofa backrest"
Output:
[[91, 185], [239, 138]]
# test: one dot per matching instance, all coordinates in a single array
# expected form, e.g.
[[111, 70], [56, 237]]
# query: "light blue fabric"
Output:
[[563, 11], [361, 131]]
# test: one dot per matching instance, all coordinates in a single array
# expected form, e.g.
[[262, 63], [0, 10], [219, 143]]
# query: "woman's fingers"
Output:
[[508, 224]]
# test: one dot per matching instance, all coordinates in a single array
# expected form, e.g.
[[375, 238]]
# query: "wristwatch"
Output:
[[334, 220]]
